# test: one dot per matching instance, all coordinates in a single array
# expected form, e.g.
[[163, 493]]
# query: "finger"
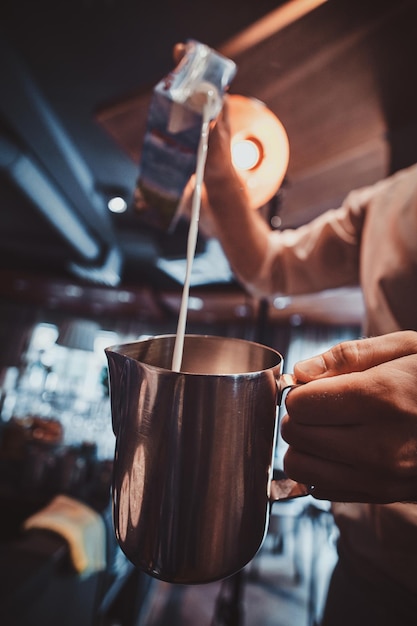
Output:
[[226, 110], [357, 355], [339, 400], [340, 482], [345, 495], [220, 126], [178, 52], [370, 397], [332, 443], [355, 446], [335, 482], [322, 474]]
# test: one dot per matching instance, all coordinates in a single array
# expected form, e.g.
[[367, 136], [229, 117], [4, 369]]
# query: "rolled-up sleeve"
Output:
[[322, 254]]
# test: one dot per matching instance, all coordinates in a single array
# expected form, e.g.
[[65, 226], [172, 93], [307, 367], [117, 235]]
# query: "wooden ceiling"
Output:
[[341, 79]]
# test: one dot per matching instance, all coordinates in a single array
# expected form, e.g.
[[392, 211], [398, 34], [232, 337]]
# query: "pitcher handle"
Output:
[[285, 488]]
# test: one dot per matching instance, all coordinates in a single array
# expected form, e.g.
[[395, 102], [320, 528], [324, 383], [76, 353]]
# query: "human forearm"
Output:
[[241, 230]]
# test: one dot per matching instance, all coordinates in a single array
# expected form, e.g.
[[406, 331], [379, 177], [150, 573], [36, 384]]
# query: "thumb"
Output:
[[178, 52], [357, 355]]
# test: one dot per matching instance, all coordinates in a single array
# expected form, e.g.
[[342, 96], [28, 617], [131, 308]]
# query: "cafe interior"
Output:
[[81, 269]]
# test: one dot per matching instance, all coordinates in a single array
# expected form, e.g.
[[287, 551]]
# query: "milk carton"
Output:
[[172, 136]]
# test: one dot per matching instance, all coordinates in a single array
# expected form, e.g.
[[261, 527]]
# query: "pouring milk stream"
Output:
[[211, 100]]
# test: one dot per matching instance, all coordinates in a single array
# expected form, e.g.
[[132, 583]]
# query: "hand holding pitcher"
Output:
[[351, 432]]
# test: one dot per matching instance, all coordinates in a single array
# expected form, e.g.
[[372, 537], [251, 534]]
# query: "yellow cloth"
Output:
[[82, 527]]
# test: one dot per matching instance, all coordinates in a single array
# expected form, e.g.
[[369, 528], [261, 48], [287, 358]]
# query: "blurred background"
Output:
[[77, 276]]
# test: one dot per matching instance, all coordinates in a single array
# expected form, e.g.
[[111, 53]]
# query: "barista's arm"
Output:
[[316, 256], [244, 235]]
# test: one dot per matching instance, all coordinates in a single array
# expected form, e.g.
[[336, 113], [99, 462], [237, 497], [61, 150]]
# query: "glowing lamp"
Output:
[[260, 148]]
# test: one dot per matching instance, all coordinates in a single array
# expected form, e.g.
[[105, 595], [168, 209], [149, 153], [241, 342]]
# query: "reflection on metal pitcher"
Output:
[[192, 478]]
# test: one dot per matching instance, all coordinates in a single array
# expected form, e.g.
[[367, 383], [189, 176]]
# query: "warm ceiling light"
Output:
[[245, 154], [269, 25], [260, 148]]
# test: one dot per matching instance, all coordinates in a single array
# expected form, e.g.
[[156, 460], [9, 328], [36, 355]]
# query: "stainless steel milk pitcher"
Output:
[[192, 479]]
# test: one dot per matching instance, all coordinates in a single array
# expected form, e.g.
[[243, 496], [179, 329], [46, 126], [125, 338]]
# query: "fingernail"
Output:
[[312, 367]]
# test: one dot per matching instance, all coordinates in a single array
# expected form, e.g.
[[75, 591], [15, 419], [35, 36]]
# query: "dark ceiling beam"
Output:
[[48, 199], [27, 112]]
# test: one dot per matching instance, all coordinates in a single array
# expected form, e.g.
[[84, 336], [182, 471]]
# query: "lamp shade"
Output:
[[260, 148]]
